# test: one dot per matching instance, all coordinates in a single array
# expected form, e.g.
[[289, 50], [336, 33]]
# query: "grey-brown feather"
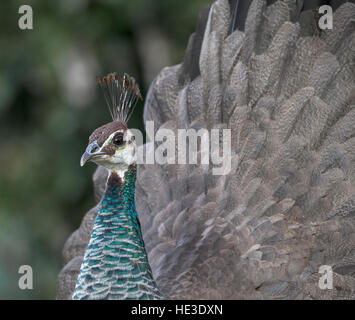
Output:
[[287, 207]]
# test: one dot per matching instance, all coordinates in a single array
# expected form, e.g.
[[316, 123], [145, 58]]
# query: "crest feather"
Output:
[[121, 95]]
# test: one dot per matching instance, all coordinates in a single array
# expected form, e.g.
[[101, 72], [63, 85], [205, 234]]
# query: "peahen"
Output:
[[286, 89], [115, 264]]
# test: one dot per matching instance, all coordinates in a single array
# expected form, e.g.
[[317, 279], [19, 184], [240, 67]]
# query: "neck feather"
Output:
[[115, 265], [119, 193]]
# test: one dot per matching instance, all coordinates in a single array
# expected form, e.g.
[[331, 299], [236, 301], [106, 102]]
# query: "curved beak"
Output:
[[85, 158], [90, 153]]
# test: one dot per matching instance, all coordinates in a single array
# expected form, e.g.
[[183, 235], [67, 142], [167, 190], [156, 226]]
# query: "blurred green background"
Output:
[[49, 104]]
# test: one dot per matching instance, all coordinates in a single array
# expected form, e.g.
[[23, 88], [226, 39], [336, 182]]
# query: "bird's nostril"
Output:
[[94, 149]]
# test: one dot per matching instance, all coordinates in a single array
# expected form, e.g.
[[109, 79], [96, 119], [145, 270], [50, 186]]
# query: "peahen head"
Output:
[[113, 144]]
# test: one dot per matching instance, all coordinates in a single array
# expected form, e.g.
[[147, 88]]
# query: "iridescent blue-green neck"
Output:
[[119, 193], [115, 265]]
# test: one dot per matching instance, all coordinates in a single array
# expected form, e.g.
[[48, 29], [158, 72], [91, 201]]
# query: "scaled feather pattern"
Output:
[[115, 264]]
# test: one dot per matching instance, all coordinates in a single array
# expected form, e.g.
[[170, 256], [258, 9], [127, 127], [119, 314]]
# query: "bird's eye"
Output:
[[118, 139]]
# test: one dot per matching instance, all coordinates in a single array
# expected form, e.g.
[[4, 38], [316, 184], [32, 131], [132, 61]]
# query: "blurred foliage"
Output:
[[49, 104]]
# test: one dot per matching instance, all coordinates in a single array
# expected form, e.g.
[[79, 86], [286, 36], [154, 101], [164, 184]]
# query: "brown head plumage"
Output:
[[112, 145]]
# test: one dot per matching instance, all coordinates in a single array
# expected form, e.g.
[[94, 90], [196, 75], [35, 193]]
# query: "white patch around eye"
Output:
[[123, 157], [109, 139]]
